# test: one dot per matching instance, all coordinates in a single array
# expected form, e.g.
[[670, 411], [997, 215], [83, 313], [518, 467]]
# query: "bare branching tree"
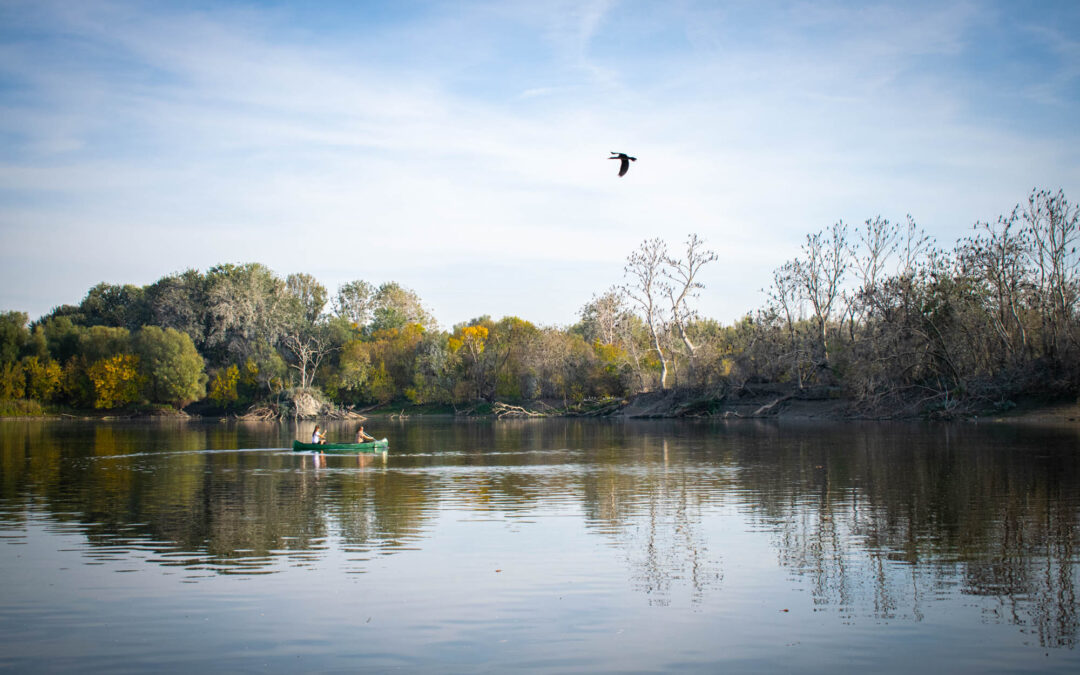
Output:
[[878, 241], [308, 350], [784, 298], [917, 245], [647, 288], [683, 284], [820, 273], [661, 286], [1054, 227], [995, 258]]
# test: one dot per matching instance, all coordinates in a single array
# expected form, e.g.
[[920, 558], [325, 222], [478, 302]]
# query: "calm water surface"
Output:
[[543, 546]]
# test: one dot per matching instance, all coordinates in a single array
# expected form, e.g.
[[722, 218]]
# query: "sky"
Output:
[[460, 148]]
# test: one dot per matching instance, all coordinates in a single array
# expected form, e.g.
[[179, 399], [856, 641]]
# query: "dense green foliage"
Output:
[[171, 370], [879, 314]]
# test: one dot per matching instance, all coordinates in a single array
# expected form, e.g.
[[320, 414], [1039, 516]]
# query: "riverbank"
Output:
[[828, 403], [759, 401], [42, 413]]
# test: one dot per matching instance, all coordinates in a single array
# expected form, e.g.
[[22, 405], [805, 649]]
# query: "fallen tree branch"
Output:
[[770, 408], [503, 410]]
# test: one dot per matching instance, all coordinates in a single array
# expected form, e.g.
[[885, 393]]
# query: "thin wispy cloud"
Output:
[[441, 145]]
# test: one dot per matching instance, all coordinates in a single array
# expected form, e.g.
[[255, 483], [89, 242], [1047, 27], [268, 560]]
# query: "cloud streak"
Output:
[[445, 147]]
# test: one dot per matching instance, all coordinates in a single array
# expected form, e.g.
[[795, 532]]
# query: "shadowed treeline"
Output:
[[876, 520]]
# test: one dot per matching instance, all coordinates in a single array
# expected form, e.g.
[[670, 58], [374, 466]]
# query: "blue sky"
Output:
[[460, 148]]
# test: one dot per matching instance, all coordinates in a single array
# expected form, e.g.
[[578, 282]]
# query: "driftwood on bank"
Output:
[[260, 413], [340, 414], [603, 410], [504, 410], [770, 408], [302, 406], [272, 414], [538, 408]]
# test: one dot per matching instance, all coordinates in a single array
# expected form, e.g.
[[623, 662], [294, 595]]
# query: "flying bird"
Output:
[[624, 160]]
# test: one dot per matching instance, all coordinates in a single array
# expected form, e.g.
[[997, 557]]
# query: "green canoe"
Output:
[[371, 446]]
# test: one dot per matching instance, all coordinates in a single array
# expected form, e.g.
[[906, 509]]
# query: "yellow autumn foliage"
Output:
[[42, 377], [472, 336], [609, 354], [12, 382], [223, 386], [115, 380]]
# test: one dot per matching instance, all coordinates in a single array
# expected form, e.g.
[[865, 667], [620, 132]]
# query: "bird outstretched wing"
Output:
[[624, 161]]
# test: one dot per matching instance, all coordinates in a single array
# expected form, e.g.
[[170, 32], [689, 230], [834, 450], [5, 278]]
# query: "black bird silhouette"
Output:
[[624, 159]]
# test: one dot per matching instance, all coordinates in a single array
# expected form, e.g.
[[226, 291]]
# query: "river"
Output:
[[549, 545]]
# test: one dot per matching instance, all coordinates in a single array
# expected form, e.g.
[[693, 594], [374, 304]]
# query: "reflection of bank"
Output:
[[879, 526], [185, 492]]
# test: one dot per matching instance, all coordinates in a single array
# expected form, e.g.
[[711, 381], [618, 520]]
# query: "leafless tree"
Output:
[[646, 289], [629, 334], [309, 351], [917, 245], [784, 298], [683, 284], [820, 273], [995, 257], [1054, 227], [878, 241]]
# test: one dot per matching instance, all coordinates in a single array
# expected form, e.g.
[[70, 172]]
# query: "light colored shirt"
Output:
[[315, 437]]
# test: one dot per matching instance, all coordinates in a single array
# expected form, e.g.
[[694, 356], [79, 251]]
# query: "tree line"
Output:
[[877, 313]]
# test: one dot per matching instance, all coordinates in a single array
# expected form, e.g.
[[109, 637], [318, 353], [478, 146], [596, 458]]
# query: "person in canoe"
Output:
[[362, 437], [317, 437]]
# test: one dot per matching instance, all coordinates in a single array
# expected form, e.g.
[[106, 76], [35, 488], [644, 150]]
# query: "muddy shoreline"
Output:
[[753, 402]]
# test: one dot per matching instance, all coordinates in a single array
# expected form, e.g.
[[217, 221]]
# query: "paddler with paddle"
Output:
[[361, 436]]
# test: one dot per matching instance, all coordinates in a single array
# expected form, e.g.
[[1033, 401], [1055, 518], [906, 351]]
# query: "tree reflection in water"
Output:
[[877, 520], [652, 508], [881, 520]]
